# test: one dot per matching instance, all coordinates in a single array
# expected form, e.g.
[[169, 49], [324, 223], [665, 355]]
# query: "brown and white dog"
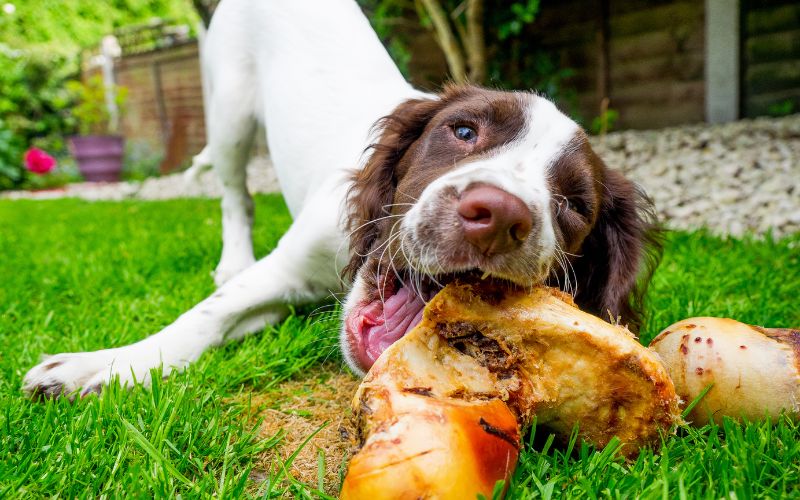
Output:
[[487, 183], [470, 184]]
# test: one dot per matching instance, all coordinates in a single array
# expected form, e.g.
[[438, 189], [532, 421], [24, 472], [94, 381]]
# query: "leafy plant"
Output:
[[90, 110], [67, 26], [605, 122], [459, 27], [11, 171], [141, 161], [65, 172], [782, 108], [38, 55], [495, 46], [33, 99], [520, 15], [34, 109]]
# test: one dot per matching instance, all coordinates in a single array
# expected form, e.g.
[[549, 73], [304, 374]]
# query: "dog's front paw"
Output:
[[64, 374]]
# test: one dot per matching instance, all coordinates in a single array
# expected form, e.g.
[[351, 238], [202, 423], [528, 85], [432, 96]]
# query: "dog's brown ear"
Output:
[[372, 192], [618, 257]]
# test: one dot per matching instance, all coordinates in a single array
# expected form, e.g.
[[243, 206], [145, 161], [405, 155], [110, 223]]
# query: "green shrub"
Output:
[[11, 171], [90, 110], [34, 100], [34, 109], [141, 161], [605, 122], [513, 56], [67, 26], [782, 108]]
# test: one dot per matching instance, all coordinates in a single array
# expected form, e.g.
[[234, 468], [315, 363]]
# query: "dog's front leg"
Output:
[[301, 269]]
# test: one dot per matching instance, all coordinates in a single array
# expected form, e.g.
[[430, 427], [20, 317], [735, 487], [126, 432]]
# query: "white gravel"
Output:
[[733, 178], [260, 179]]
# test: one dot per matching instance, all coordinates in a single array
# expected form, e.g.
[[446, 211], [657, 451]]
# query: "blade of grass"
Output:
[[696, 400], [151, 450]]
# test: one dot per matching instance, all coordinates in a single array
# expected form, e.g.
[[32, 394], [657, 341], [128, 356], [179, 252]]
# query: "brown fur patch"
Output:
[[416, 146]]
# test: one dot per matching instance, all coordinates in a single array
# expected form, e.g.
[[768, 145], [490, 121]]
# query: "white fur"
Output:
[[356, 297], [520, 168], [316, 75]]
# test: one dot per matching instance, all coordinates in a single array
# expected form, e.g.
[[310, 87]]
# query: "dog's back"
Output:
[[265, 61]]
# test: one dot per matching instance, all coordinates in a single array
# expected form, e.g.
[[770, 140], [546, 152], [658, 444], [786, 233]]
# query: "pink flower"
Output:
[[39, 162]]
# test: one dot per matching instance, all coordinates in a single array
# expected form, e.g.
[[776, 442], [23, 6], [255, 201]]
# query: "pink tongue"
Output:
[[401, 312]]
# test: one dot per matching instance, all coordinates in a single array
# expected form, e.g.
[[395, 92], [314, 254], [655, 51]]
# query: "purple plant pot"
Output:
[[99, 157]]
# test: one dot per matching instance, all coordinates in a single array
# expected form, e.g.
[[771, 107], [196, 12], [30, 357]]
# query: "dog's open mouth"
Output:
[[374, 325]]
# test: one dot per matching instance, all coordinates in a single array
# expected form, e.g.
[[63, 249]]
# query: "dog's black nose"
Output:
[[493, 220]]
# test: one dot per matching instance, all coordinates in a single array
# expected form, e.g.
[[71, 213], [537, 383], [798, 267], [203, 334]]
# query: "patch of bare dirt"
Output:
[[298, 408]]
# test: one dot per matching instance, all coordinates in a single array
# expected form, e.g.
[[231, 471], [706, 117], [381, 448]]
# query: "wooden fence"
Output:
[[770, 57], [158, 63], [646, 56], [165, 101]]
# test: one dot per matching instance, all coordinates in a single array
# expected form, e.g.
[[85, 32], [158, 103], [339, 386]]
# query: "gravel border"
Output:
[[261, 178], [733, 178]]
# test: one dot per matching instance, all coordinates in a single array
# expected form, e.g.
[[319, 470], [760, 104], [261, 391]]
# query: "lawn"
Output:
[[83, 276]]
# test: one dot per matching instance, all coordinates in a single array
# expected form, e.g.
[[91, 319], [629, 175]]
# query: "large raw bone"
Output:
[[441, 410], [741, 370]]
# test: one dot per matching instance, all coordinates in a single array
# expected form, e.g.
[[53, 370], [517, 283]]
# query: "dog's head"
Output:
[[481, 183]]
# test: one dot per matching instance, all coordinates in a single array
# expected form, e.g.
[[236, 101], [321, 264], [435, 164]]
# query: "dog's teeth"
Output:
[[485, 275]]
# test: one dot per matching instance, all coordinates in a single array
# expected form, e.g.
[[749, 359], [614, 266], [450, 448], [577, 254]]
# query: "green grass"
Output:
[[82, 276]]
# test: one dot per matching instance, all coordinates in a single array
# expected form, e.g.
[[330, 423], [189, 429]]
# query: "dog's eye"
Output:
[[465, 133], [570, 204], [576, 205]]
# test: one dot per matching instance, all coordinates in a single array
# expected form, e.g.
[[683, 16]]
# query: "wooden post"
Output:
[[722, 60], [161, 105], [110, 50], [603, 56], [205, 84]]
